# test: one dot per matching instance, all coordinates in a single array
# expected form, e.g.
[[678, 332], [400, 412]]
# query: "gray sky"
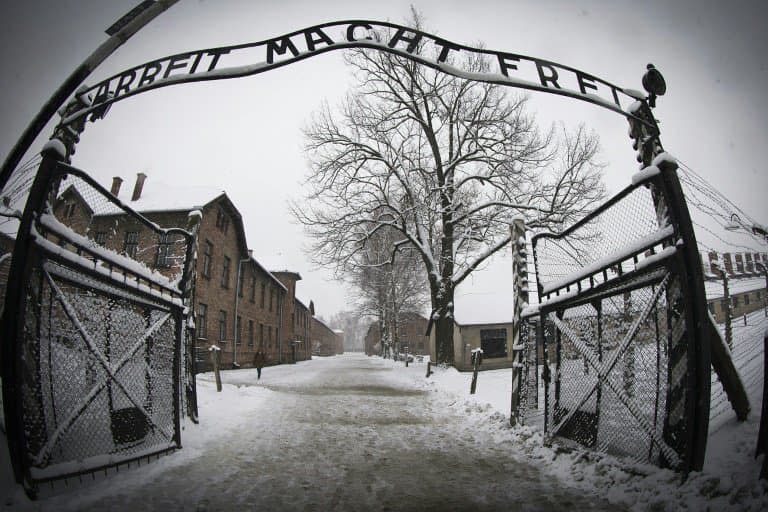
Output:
[[243, 135]]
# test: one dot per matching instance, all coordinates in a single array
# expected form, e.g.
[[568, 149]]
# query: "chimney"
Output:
[[116, 182], [140, 177]]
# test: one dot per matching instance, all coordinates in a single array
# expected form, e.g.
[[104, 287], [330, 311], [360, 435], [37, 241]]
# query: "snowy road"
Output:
[[341, 433]]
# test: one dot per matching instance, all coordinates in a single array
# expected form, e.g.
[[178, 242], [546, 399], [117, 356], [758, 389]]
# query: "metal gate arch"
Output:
[[94, 378], [92, 103]]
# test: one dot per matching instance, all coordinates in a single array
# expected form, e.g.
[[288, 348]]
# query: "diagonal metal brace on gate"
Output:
[[603, 370], [111, 370]]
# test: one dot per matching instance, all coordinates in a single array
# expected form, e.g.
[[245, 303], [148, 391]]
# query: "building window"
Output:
[[69, 210], [261, 335], [263, 293], [222, 220], [250, 333], [202, 320], [207, 259], [724, 305], [271, 296], [269, 335], [101, 238], [735, 302], [222, 325], [493, 342], [240, 276], [239, 329], [164, 250], [746, 299], [225, 272], [253, 289], [131, 243]]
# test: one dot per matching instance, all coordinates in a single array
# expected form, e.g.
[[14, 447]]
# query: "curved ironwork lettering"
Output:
[[247, 59]]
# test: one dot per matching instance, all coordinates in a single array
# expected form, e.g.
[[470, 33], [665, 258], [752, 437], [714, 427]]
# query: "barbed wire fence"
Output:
[[733, 247]]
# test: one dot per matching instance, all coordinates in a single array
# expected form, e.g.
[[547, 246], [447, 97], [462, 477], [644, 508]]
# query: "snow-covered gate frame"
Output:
[[504, 68], [620, 330], [93, 341]]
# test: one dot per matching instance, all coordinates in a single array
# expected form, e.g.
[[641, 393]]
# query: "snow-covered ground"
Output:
[[358, 433], [341, 433]]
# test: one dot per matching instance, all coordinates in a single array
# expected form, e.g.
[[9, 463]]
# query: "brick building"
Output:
[[236, 298], [326, 341], [296, 323], [747, 283], [412, 330]]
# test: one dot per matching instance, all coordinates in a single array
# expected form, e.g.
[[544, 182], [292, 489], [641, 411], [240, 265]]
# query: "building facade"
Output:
[[326, 341], [495, 339], [412, 333]]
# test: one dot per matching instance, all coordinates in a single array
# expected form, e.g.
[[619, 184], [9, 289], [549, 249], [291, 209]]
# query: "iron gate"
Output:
[[94, 331], [621, 351]]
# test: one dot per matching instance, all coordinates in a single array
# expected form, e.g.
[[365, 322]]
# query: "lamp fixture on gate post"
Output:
[[238, 290], [735, 223]]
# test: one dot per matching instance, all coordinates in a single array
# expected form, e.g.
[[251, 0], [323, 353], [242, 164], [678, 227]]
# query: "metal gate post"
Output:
[[696, 336], [688, 336], [520, 283], [15, 306]]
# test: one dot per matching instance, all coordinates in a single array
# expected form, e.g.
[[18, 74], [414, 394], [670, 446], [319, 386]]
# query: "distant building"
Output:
[[326, 341], [494, 338], [412, 329], [296, 322]]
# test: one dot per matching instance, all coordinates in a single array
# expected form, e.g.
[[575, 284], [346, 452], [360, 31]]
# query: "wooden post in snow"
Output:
[[215, 359], [520, 283], [477, 360]]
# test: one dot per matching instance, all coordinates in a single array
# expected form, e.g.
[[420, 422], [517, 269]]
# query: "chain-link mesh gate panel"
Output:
[[610, 386], [617, 342], [531, 387], [101, 348], [603, 246], [102, 373]]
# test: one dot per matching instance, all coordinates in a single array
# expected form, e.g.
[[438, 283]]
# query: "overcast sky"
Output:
[[243, 135]]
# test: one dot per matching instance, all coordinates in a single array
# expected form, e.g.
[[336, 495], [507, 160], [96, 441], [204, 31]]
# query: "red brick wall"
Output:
[[264, 315], [328, 342]]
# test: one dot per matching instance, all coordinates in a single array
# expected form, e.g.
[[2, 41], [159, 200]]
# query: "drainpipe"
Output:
[[238, 289], [280, 328]]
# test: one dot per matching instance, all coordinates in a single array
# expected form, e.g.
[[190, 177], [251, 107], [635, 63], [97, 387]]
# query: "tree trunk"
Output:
[[444, 327]]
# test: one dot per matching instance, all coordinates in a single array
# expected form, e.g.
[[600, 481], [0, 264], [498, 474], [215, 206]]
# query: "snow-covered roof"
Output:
[[157, 196], [269, 274], [488, 307], [301, 300], [714, 289], [317, 319]]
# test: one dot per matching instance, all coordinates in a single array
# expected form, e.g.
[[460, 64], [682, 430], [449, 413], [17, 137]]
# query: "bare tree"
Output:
[[387, 287], [446, 163]]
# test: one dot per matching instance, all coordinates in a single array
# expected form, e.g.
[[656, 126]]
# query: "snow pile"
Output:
[[729, 480]]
